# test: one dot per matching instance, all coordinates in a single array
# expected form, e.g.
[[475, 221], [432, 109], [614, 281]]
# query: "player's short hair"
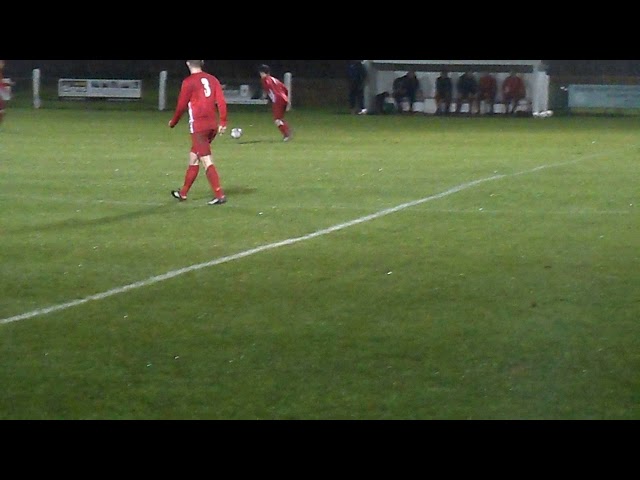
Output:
[[264, 69], [196, 63]]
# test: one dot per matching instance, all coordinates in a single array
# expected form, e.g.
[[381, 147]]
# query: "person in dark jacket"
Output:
[[405, 88], [444, 93], [467, 87], [357, 75]]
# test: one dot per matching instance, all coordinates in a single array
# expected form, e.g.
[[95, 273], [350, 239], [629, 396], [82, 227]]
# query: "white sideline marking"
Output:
[[271, 246]]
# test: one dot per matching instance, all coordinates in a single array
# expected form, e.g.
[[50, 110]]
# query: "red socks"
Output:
[[214, 181], [212, 177], [189, 178], [284, 129]]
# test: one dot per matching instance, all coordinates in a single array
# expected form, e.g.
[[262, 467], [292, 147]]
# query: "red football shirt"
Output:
[[513, 86], [275, 89], [4, 90], [487, 86], [202, 97]]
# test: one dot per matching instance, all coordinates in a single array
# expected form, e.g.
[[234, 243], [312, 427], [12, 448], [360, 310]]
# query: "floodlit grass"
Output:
[[511, 291]]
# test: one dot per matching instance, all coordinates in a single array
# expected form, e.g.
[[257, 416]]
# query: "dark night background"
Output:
[[316, 82], [329, 29], [242, 69]]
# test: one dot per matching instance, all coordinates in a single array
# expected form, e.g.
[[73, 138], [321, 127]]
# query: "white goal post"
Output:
[[381, 73], [35, 79]]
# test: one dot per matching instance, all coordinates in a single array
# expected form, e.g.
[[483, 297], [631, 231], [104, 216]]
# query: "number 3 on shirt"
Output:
[[207, 87]]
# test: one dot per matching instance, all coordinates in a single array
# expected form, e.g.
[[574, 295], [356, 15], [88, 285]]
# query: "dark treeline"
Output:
[[226, 69], [230, 69]]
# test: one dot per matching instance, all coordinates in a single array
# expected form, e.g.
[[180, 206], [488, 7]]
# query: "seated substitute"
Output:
[[444, 93], [487, 91], [513, 90], [467, 88], [406, 87]]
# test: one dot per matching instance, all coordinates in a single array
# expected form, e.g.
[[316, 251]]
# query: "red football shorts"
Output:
[[201, 142], [279, 110]]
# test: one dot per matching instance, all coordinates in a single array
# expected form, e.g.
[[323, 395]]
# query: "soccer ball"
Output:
[[236, 133]]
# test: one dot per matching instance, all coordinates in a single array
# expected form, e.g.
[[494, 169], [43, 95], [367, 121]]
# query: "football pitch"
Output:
[[373, 268]]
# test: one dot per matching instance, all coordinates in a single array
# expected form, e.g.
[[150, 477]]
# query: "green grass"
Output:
[[516, 297]]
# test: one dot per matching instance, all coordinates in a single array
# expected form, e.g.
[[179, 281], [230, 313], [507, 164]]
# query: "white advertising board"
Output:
[[99, 88]]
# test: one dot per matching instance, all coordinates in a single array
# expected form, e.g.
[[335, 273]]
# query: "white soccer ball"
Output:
[[236, 132]]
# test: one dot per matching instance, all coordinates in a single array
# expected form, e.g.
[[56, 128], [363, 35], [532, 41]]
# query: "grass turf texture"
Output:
[[514, 298]]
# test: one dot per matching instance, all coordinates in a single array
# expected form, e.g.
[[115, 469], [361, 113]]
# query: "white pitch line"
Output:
[[271, 246]]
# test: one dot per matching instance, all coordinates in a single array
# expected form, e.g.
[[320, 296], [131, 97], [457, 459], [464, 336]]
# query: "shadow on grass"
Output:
[[72, 223], [230, 192], [249, 142], [239, 190]]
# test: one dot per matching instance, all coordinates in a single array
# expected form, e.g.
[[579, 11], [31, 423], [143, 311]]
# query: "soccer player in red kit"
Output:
[[279, 96], [487, 91], [202, 97], [513, 90], [5, 91]]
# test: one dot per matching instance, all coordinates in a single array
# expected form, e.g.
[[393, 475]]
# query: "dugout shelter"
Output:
[[381, 73]]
